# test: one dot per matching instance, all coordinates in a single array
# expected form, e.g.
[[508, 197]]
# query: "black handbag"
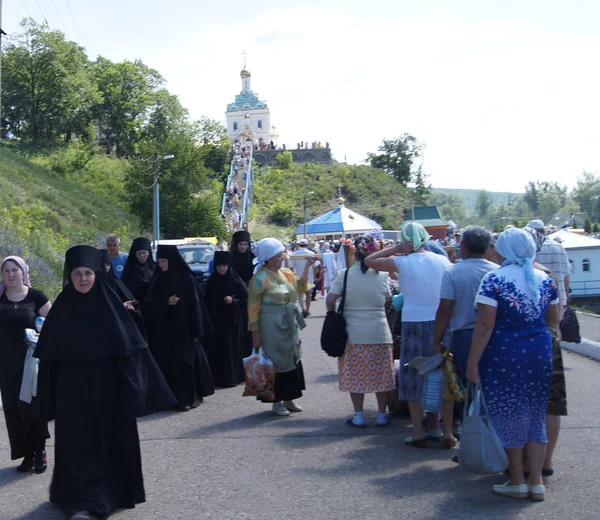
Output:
[[569, 327], [334, 335]]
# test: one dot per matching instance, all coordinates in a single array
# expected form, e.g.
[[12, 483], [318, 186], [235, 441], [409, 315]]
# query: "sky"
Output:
[[500, 93]]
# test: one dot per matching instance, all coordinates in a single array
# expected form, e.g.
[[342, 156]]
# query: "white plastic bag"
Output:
[[30, 368], [480, 448], [433, 391], [260, 376]]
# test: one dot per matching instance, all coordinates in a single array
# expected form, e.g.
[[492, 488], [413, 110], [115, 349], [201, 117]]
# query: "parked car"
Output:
[[198, 255]]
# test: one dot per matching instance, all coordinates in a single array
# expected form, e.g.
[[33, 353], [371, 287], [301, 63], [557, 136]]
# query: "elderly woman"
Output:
[[20, 304], [275, 319], [420, 274], [96, 376], [511, 353], [367, 365]]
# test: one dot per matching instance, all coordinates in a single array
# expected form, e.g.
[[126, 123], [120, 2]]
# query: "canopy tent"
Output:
[[338, 221]]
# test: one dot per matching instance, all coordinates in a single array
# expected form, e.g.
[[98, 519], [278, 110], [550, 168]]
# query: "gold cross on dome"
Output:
[[244, 54]]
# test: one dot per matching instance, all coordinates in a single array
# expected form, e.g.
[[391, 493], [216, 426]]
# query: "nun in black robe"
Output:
[[137, 275], [242, 262], [226, 297], [125, 295], [177, 321], [96, 376]]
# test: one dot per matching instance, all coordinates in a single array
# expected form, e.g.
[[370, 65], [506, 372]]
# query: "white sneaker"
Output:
[[292, 406], [280, 409], [519, 491], [537, 492]]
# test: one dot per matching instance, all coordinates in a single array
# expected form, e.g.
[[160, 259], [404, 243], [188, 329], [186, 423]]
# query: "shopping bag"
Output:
[[569, 327], [433, 391], [30, 369], [480, 448], [260, 376]]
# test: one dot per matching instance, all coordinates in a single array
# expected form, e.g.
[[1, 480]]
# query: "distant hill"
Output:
[[470, 196]]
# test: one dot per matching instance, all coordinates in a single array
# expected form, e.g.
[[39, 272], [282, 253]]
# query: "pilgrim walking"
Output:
[[176, 321], [226, 298], [242, 256], [96, 376], [20, 304], [139, 268], [275, 319]]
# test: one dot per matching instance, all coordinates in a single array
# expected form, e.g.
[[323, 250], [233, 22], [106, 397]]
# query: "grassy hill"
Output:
[[279, 195], [42, 214], [470, 196]]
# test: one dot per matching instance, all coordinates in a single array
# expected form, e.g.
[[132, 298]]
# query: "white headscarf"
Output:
[[518, 247], [266, 249]]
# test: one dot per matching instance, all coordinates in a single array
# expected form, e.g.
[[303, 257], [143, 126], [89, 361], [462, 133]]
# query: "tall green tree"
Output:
[[47, 89], [483, 204], [545, 198], [587, 194], [397, 157], [452, 207]]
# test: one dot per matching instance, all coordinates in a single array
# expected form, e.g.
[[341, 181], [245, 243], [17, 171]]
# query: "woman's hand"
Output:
[[472, 372], [228, 300], [403, 248], [130, 305], [196, 340], [311, 260], [256, 339], [173, 300]]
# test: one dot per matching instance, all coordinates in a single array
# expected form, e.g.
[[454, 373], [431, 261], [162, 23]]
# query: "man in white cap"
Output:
[[297, 265], [552, 255]]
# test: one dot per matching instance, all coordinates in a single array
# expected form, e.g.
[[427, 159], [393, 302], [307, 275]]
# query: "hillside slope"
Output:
[[470, 196], [279, 193], [42, 214]]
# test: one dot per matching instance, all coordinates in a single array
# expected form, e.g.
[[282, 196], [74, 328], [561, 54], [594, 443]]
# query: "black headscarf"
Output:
[[86, 327], [242, 262], [136, 276]]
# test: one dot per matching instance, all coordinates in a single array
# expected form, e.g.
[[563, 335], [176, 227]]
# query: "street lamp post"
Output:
[[305, 210], [156, 198]]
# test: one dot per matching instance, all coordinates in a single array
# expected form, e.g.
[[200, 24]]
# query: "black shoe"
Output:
[[41, 462], [184, 408], [27, 465]]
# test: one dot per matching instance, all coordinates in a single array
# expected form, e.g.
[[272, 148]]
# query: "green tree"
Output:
[[595, 228], [545, 198], [451, 207], [421, 187], [587, 195], [587, 226], [398, 157], [284, 160], [483, 204], [47, 91], [212, 131]]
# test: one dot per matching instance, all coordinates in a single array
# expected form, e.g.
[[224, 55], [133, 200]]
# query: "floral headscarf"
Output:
[[24, 267]]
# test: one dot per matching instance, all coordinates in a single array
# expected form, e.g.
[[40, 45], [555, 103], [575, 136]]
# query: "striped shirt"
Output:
[[553, 256]]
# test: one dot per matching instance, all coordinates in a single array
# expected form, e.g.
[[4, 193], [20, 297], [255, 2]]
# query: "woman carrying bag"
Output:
[[275, 319]]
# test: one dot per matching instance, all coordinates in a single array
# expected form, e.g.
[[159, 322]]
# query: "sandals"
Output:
[[449, 443], [415, 443]]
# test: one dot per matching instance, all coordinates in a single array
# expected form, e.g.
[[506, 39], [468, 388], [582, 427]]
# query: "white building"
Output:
[[584, 256], [248, 117]]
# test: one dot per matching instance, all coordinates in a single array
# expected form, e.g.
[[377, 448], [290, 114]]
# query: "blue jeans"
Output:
[[460, 348]]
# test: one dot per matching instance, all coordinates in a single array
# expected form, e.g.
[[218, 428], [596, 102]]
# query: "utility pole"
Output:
[[1, 31], [155, 232]]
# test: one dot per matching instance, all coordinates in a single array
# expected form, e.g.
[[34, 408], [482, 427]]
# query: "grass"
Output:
[[43, 213]]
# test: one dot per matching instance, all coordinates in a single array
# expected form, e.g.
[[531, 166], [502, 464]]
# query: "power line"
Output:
[[41, 12], [76, 24], [59, 17], [26, 9]]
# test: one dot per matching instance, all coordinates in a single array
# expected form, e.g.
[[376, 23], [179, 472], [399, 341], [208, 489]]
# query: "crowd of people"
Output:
[[130, 335]]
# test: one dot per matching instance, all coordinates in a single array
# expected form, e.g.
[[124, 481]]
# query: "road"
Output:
[[231, 459]]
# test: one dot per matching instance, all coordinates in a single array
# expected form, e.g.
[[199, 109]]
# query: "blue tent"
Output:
[[340, 220]]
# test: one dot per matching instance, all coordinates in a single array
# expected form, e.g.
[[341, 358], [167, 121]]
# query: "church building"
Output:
[[248, 117]]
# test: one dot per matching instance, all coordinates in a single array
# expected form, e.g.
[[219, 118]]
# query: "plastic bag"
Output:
[[260, 376], [433, 391], [454, 389], [480, 448], [30, 368]]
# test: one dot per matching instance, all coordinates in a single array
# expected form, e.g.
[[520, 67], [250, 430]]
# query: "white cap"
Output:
[[303, 242], [536, 224]]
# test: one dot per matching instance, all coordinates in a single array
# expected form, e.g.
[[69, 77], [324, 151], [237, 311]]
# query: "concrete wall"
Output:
[[316, 155]]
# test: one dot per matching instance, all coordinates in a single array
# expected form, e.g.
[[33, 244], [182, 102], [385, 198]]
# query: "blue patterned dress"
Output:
[[516, 366]]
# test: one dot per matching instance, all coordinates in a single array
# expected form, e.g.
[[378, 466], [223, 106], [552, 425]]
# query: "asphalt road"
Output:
[[231, 459]]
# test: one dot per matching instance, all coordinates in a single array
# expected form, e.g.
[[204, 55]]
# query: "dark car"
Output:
[[198, 257]]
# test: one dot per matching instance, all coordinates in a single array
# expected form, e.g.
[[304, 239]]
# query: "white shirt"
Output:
[[420, 281], [298, 265]]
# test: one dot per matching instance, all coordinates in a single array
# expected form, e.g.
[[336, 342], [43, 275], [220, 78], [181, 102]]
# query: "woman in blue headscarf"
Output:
[[511, 353]]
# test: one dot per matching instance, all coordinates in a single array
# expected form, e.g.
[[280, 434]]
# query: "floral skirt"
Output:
[[366, 368]]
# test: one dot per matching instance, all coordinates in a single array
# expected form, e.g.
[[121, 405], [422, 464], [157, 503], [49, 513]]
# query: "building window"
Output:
[[260, 124], [235, 126], [585, 265]]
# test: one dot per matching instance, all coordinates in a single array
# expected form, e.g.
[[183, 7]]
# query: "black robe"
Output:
[[136, 276], [96, 376], [226, 348], [173, 329], [242, 262]]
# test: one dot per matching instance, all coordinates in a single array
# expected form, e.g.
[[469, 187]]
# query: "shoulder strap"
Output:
[[341, 307]]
